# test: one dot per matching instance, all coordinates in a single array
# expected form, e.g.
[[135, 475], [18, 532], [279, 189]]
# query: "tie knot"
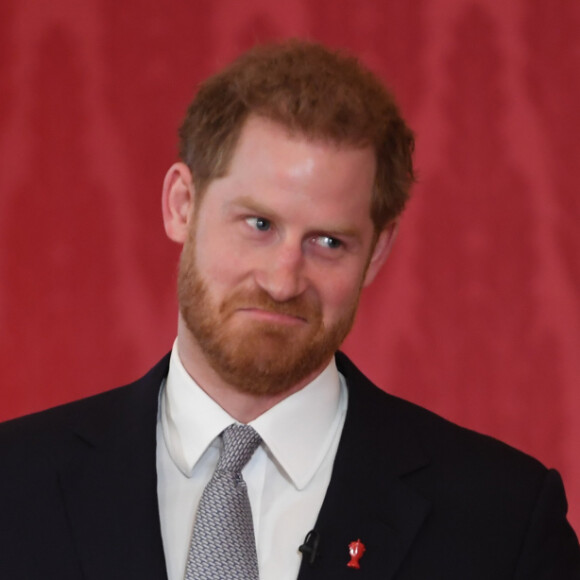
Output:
[[240, 442]]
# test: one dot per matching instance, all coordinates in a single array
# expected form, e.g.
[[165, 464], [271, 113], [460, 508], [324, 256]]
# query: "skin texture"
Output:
[[275, 255]]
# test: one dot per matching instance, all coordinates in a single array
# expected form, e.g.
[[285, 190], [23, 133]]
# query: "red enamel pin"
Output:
[[356, 551]]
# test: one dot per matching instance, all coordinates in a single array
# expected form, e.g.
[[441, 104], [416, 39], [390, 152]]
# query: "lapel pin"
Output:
[[356, 551]]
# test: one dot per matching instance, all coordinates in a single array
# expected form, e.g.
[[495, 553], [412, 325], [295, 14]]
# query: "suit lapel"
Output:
[[109, 486], [368, 498]]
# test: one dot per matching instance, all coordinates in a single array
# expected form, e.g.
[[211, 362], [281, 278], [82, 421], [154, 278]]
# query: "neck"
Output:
[[243, 407]]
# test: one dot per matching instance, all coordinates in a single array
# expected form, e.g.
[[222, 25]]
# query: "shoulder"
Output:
[[481, 490], [440, 458], [437, 436], [46, 432]]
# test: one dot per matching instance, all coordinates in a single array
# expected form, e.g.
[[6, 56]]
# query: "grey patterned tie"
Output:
[[222, 545]]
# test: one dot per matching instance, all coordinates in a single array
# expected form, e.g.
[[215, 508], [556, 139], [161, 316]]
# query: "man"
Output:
[[295, 166]]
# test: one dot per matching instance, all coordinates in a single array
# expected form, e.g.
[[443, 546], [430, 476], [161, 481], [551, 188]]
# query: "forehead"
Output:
[[313, 184], [269, 150]]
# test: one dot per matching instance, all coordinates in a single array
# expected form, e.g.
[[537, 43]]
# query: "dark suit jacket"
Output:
[[429, 500]]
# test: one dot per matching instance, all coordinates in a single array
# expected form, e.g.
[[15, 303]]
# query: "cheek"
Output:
[[218, 264], [218, 241], [338, 295]]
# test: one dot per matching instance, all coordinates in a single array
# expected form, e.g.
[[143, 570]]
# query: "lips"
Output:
[[269, 315], [261, 305]]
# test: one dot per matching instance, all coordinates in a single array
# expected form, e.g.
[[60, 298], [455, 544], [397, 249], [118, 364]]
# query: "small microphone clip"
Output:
[[309, 548]]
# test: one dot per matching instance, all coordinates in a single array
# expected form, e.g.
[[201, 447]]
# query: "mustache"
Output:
[[297, 306]]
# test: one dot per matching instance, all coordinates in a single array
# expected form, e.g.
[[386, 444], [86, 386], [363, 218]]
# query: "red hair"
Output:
[[312, 91]]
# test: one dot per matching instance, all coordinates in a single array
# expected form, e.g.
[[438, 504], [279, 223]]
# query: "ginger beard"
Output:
[[256, 357]]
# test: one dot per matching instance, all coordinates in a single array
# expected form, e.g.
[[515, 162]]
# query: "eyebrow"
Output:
[[252, 205], [256, 207]]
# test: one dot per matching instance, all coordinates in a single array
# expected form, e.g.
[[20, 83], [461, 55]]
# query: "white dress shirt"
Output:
[[287, 476]]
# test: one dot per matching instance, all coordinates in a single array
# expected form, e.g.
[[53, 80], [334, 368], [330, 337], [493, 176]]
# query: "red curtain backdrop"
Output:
[[475, 316]]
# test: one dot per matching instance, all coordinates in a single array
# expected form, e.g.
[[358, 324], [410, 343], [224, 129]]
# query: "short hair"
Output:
[[313, 91]]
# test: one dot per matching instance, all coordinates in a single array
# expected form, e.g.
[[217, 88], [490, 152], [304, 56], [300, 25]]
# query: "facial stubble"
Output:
[[257, 357]]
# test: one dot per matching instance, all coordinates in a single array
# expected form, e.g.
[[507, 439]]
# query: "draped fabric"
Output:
[[477, 313]]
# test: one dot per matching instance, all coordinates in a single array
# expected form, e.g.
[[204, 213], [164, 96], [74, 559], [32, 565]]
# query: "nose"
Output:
[[282, 273]]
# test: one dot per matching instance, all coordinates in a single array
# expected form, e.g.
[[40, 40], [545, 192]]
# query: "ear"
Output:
[[381, 251], [177, 202]]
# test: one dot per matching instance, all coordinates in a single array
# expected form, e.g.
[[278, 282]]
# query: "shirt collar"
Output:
[[297, 432]]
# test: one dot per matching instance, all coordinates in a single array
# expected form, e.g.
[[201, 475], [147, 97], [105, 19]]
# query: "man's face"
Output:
[[275, 258]]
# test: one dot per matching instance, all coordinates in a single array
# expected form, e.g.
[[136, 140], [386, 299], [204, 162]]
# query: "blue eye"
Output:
[[259, 223], [328, 242]]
